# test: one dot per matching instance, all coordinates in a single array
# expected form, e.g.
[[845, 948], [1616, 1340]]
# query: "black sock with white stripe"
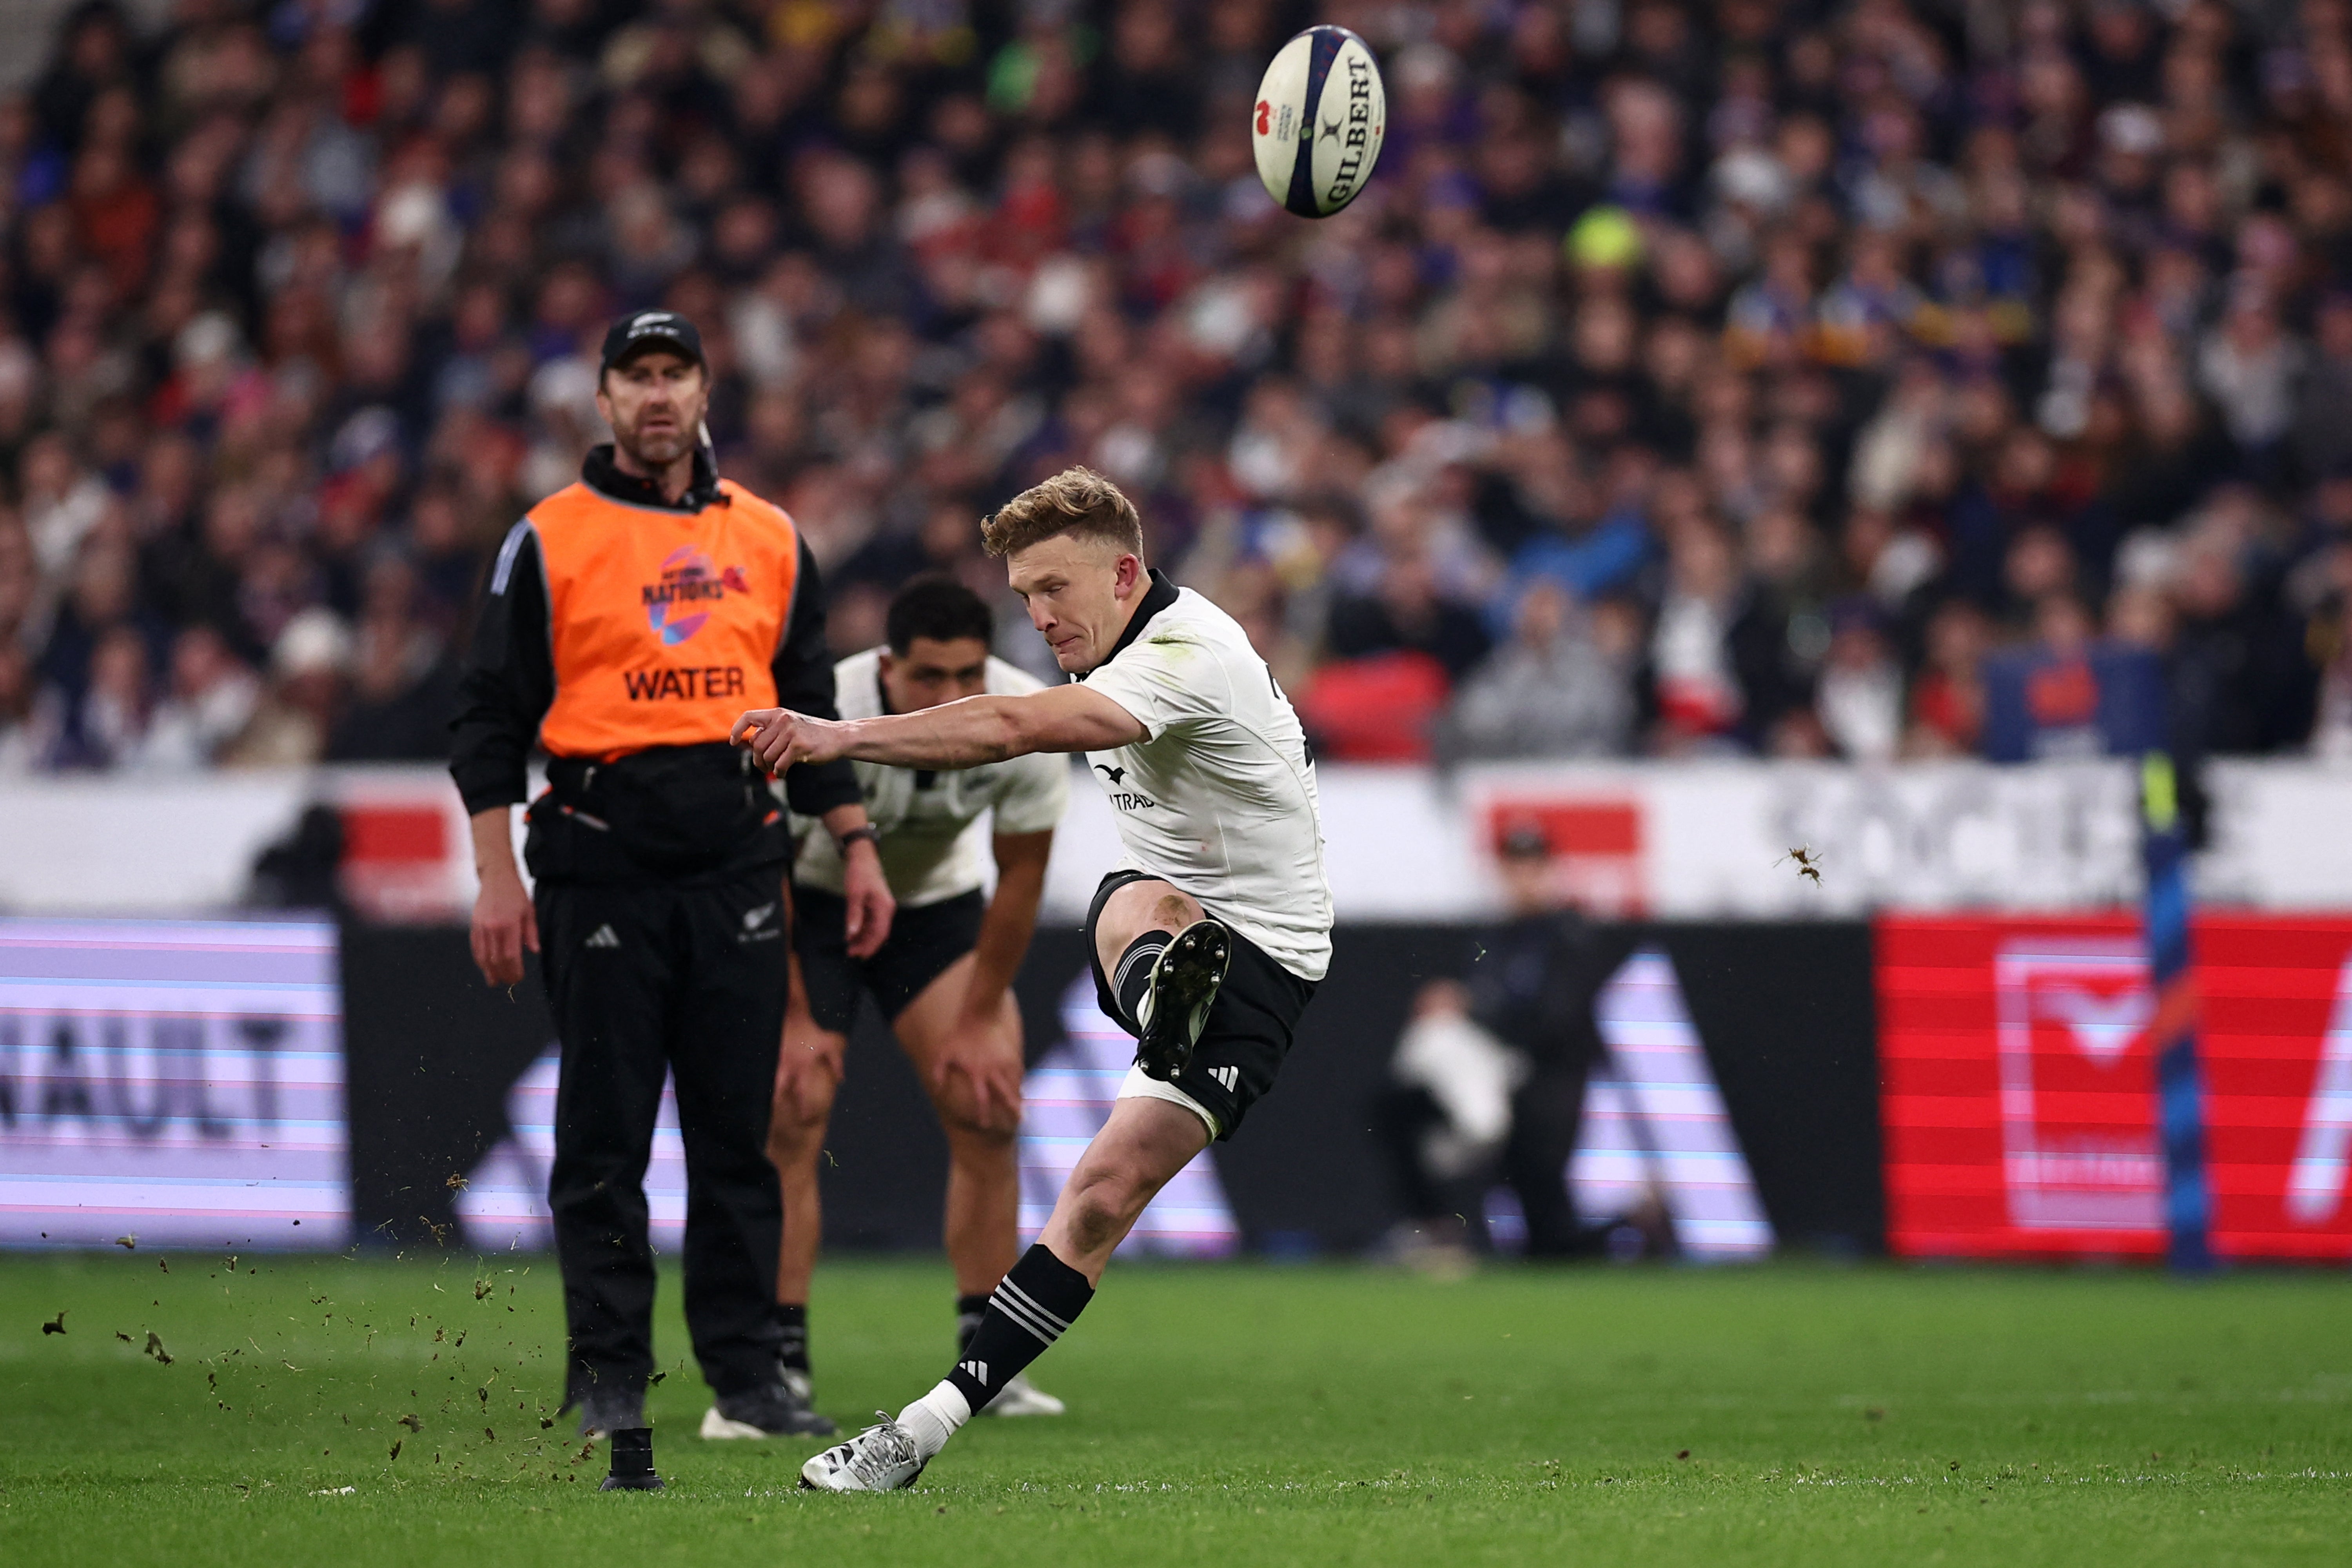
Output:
[[1131, 981], [1032, 1306]]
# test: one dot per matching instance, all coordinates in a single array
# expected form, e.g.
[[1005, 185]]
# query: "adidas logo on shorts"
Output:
[[1230, 1078], [601, 937]]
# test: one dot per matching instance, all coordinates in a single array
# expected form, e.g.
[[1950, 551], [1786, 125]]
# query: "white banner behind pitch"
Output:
[[1699, 840]]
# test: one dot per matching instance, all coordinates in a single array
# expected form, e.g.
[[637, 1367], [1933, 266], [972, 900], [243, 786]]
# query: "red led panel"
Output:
[[2276, 1048], [2018, 1088]]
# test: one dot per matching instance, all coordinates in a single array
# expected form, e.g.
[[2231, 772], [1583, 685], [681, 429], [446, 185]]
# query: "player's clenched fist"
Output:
[[779, 738]]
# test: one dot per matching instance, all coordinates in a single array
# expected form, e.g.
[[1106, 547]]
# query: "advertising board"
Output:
[[171, 1083], [1681, 840], [2019, 1098]]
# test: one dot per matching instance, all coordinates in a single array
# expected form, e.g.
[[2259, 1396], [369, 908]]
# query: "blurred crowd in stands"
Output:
[[1696, 377]]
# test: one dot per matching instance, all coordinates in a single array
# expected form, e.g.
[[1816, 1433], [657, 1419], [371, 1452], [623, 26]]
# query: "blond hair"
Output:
[[1075, 501]]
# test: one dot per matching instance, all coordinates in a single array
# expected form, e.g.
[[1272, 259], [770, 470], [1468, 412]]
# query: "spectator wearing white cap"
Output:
[[306, 669]]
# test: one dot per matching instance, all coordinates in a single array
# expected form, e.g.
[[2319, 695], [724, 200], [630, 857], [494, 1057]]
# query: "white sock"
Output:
[[934, 1420]]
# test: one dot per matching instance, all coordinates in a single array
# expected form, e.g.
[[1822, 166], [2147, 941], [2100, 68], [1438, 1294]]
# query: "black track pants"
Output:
[[689, 980]]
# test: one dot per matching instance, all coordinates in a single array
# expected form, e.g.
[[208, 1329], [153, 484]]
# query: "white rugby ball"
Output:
[[1321, 115]]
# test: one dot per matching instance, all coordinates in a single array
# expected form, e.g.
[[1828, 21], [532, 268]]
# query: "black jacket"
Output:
[[508, 684], [1533, 981]]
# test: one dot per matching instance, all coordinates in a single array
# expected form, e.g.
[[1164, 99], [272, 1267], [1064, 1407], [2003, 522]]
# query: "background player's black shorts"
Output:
[[923, 942], [1249, 1026]]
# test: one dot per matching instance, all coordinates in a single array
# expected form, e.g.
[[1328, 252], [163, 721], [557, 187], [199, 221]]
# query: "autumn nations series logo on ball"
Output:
[[689, 577]]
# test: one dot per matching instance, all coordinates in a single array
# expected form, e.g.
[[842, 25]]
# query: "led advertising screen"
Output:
[[1069, 1094], [2018, 1092], [171, 1083], [2277, 1054]]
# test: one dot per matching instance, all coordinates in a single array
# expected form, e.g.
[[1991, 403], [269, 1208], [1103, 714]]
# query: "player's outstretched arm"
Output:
[[953, 735]]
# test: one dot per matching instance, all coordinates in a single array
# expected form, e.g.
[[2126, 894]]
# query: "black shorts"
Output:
[[1250, 1024], [923, 942]]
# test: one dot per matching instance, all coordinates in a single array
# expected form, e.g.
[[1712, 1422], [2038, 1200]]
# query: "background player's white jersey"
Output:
[[932, 832], [1220, 799]]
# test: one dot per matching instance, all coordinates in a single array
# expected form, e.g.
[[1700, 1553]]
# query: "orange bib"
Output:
[[663, 624]]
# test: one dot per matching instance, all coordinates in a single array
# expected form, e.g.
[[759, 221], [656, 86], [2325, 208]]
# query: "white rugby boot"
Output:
[[882, 1458]]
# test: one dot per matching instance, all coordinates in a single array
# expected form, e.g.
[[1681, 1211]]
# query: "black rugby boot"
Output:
[[1184, 983]]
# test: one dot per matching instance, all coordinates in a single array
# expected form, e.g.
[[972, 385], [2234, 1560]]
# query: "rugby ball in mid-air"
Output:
[[1320, 114]]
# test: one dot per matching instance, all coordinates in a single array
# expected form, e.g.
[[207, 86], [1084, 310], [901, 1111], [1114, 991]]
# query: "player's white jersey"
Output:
[[931, 833], [1219, 799]]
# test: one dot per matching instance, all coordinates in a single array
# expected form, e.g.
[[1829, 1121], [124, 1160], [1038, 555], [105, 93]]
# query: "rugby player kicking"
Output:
[[1206, 942], [941, 979]]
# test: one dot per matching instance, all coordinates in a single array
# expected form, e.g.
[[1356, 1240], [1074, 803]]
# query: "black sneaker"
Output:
[[1185, 981], [779, 1410]]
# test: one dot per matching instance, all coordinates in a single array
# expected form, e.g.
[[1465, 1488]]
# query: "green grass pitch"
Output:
[[1236, 1414]]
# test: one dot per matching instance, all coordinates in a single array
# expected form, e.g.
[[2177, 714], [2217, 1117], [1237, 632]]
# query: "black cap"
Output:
[[651, 329]]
